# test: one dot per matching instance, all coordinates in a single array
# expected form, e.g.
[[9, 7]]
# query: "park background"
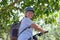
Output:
[[47, 15]]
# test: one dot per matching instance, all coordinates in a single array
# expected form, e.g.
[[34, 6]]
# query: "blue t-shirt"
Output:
[[25, 35]]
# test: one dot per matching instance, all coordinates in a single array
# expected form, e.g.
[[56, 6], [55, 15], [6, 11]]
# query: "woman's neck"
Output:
[[27, 17]]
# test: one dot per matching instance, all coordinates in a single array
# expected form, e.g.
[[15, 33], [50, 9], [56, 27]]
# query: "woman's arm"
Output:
[[37, 28]]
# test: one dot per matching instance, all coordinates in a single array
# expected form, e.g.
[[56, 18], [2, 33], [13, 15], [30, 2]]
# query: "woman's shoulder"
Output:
[[25, 19]]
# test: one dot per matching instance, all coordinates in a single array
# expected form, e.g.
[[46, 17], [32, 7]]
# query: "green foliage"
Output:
[[44, 9]]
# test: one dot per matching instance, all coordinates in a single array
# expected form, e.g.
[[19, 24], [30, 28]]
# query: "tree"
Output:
[[9, 11]]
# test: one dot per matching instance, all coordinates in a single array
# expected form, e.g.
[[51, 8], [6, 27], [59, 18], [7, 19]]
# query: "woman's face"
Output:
[[29, 14]]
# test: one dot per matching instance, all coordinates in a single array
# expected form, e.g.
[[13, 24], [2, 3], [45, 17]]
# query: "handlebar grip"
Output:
[[46, 32]]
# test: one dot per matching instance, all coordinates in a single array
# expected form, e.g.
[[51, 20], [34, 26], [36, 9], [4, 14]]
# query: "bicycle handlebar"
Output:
[[39, 34]]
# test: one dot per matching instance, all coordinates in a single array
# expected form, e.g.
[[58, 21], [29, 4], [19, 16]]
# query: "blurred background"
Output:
[[47, 15]]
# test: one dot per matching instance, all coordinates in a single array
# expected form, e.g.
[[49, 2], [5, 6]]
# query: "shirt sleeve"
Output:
[[27, 22]]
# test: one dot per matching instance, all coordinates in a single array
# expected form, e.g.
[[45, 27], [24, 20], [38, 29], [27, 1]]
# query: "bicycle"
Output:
[[39, 34]]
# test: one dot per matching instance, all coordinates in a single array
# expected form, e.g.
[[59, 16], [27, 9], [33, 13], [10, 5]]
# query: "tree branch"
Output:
[[13, 3]]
